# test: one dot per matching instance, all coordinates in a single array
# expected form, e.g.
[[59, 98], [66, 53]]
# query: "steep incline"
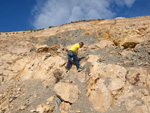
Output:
[[115, 58]]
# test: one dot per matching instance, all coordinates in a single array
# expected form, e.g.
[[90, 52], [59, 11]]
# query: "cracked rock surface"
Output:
[[115, 76]]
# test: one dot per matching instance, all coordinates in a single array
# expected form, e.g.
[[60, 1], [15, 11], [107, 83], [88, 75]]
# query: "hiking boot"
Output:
[[67, 70], [80, 69]]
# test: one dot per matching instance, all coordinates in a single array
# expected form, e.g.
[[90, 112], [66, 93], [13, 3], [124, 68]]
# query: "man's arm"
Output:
[[76, 52]]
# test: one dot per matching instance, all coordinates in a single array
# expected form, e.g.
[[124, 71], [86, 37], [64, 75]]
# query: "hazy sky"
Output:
[[18, 15]]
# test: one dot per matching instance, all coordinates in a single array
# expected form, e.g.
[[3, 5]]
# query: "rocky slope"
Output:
[[115, 58]]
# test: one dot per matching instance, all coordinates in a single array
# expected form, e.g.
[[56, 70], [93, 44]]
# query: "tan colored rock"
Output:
[[64, 107], [78, 111], [102, 44], [33, 110], [54, 49], [127, 42], [100, 96], [116, 71], [115, 52], [108, 84], [98, 70], [105, 43], [131, 104], [137, 76], [116, 85], [92, 58], [67, 92], [101, 70], [21, 107], [99, 92], [141, 109], [146, 100], [9, 58], [82, 77], [143, 94], [56, 60], [50, 99], [43, 48], [129, 45], [148, 80], [126, 52], [43, 69], [46, 56], [44, 108]]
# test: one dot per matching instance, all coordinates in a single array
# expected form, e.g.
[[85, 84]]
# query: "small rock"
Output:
[[43, 48], [22, 107], [78, 111], [129, 45], [44, 108], [34, 110], [50, 99], [64, 107], [68, 81], [19, 89]]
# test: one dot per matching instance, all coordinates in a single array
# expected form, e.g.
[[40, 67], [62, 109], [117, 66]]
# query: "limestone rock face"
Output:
[[104, 44], [67, 92], [116, 68], [100, 97], [107, 82], [137, 77]]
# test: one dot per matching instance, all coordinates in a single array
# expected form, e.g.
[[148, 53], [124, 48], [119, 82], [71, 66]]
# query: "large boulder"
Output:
[[99, 96], [67, 92], [127, 42], [106, 84]]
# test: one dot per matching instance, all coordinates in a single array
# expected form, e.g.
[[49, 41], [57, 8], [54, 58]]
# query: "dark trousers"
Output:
[[71, 54]]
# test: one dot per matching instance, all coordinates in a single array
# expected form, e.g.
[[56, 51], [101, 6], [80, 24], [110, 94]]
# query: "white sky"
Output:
[[58, 12]]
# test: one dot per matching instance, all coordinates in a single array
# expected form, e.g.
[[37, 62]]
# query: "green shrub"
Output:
[[51, 26]]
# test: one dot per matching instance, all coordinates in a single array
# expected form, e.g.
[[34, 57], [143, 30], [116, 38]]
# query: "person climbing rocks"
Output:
[[73, 53]]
